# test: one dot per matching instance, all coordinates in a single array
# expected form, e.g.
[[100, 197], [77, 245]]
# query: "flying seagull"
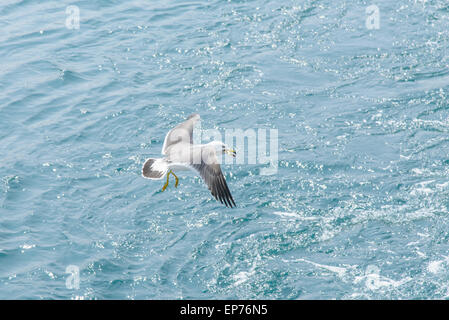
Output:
[[181, 154]]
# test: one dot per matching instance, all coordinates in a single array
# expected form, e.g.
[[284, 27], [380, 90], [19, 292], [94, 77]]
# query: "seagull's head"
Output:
[[220, 146], [226, 150]]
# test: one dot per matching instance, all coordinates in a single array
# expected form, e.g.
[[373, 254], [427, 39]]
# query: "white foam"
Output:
[[374, 281], [293, 215], [442, 185], [243, 276], [27, 246], [417, 171], [434, 266], [437, 266], [425, 191], [338, 270]]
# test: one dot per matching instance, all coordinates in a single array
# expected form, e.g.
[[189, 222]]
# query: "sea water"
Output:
[[357, 207]]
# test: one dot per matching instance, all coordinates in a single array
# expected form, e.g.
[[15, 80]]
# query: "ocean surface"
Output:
[[358, 208]]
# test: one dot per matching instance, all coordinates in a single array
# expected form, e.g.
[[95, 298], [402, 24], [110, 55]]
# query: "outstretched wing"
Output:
[[213, 177], [183, 132]]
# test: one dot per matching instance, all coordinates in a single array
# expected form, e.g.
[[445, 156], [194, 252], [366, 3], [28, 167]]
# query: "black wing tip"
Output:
[[217, 186], [224, 192], [232, 206], [224, 199]]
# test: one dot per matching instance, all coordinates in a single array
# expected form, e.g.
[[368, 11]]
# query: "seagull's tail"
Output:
[[155, 168]]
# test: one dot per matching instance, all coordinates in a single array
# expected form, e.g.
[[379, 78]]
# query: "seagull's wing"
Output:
[[213, 177], [183, 132]]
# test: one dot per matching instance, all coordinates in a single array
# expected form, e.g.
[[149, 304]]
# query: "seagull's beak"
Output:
[[231, 152]]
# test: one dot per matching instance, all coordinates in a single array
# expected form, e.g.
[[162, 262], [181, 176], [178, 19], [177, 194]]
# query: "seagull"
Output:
[[181, 154]]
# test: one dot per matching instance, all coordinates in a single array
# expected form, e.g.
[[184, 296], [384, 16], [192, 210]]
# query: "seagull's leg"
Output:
[[166, 183], [176, 177]]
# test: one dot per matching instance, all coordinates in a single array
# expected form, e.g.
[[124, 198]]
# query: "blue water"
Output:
[[357, 210]]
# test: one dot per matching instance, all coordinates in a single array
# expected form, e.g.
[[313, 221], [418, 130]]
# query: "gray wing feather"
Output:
[[183, 132], [215, 181]]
